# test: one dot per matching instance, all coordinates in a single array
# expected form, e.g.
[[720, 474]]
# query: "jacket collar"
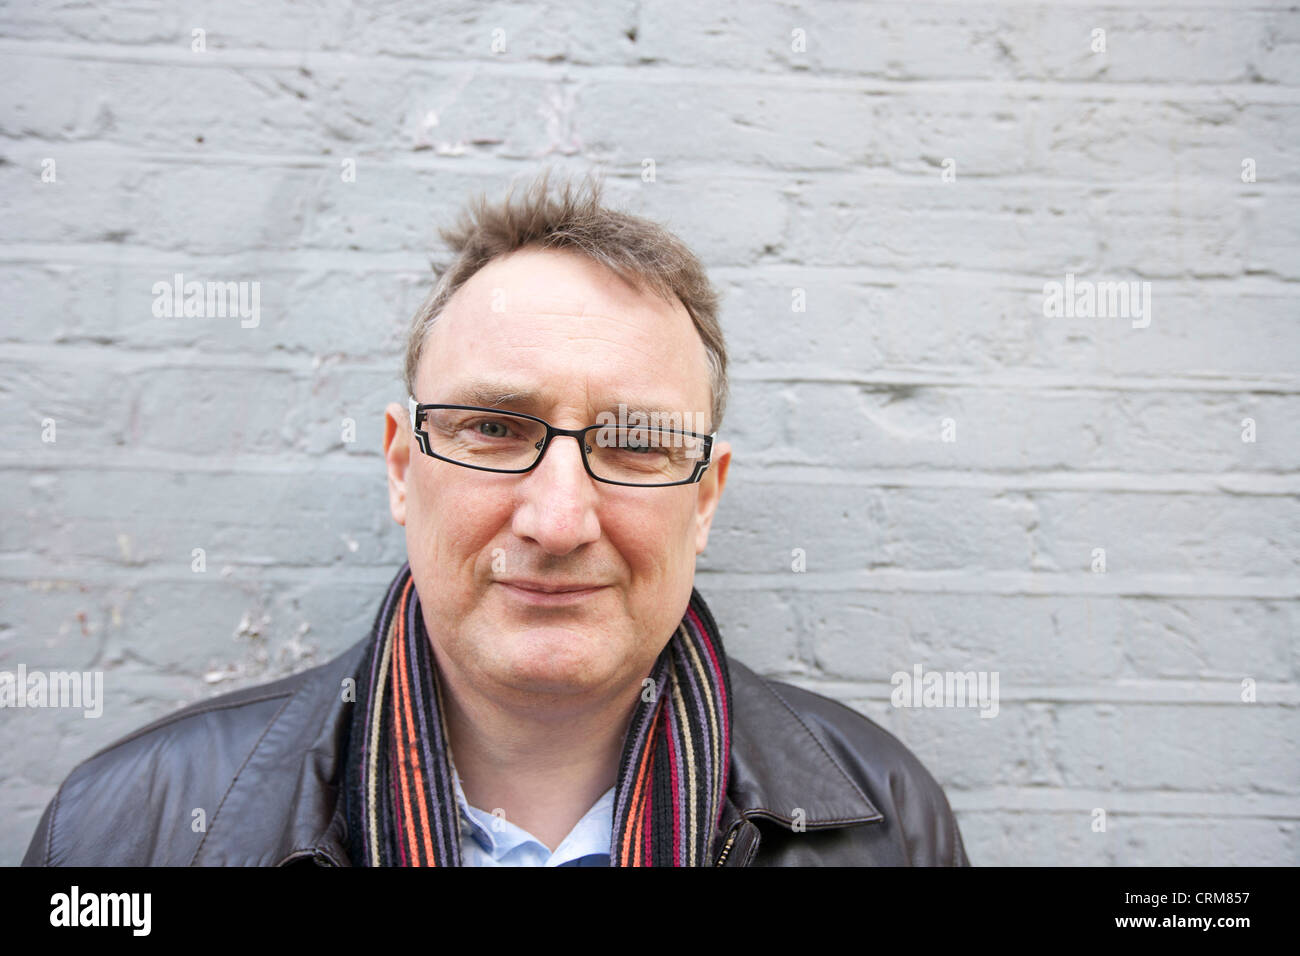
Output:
[[295, 772], [778, 768]]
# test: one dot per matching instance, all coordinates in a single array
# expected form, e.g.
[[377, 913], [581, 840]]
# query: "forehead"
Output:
[[548, 328]]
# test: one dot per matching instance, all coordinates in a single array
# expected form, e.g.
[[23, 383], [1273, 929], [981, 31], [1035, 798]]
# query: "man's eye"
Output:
[[643, 444]]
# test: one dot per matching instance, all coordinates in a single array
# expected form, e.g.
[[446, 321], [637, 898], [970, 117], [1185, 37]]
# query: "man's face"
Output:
[[558, 325]]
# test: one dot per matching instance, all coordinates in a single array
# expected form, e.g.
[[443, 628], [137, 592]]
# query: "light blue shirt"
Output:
[[487, 840]]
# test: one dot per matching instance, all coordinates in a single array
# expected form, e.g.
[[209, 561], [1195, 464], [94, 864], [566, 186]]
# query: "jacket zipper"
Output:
[[722, 857]]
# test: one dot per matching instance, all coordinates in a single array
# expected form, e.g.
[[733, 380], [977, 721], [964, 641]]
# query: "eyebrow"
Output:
[[487, 394], [492, 394]]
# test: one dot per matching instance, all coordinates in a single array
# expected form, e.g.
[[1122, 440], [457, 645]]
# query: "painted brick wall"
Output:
[[883, 191]]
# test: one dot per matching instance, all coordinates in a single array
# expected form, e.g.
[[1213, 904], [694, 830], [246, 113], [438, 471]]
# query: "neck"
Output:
[[544, 761]]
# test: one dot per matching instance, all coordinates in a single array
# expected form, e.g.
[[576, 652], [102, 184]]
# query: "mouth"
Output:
[[541, 595]]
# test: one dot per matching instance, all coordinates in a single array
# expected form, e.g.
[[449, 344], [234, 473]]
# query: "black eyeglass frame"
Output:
[[579, 434]]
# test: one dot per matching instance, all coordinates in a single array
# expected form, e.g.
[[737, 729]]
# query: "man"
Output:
[[543, 685]]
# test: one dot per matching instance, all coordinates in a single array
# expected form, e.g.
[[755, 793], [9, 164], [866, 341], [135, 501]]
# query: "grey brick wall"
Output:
[[796, 147]]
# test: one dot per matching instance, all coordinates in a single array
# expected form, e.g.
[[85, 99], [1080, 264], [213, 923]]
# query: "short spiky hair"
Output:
[[638, 250]]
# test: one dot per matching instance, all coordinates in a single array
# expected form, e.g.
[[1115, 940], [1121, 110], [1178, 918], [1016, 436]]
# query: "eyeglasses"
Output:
[[644, 455]]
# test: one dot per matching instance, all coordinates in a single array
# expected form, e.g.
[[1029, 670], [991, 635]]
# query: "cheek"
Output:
[[453, 520], [653, 536]]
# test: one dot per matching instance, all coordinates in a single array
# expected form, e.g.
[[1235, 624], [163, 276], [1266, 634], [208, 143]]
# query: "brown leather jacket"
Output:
[[263, 765]]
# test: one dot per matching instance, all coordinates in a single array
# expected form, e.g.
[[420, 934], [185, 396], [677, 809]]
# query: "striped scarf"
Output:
[[400, 800]]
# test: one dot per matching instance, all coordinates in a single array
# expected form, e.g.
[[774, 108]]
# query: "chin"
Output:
[[558, 661], [551, 681]]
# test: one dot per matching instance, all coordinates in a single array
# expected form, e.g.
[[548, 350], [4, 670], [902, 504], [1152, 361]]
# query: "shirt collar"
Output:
[[497, 836]]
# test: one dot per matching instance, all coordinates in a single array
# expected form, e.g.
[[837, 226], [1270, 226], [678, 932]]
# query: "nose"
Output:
[[558, 500]]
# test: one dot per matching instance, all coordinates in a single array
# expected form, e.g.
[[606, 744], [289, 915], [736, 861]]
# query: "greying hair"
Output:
[[640, 251]]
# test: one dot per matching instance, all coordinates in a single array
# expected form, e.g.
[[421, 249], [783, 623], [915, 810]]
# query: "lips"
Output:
[[555, 595], [551, 588]]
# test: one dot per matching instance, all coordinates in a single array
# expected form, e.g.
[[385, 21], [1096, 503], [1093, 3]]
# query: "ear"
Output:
[[711, 486], [397, 454]]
